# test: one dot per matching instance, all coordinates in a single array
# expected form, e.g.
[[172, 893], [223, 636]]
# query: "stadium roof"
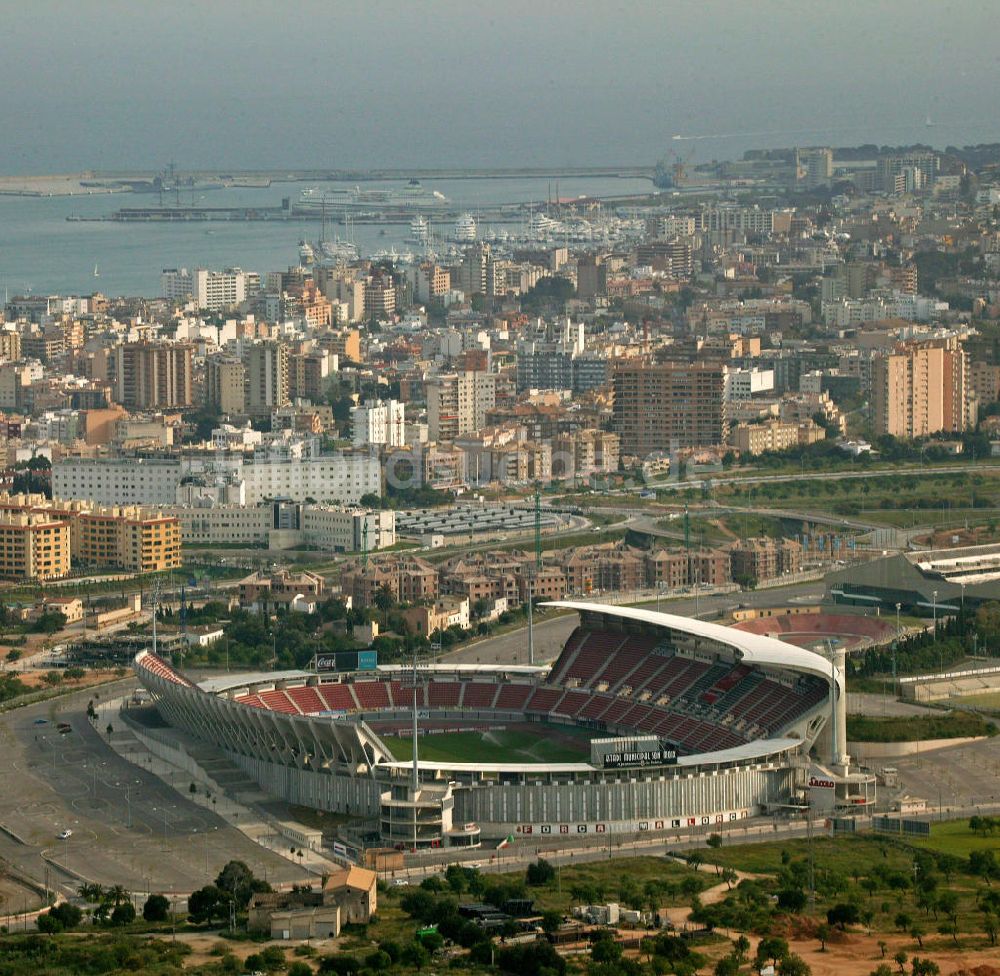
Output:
[[752, 648]]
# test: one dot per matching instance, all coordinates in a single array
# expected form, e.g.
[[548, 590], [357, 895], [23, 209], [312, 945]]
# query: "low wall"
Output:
[[898, 750]]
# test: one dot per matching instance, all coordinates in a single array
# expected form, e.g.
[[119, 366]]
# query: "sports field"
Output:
[[520, 744]]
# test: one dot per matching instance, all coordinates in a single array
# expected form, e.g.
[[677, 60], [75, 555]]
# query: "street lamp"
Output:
[[659, 593], [934, 595]]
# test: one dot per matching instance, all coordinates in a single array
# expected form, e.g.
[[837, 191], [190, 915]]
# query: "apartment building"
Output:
[[764, 558], [408, 578], [309, 374], [132, 538], [670, 406], [379, 422], [773, 435], [583, 453], [457, 403], [153, 375], [814, 166], [267, 384], [922, 388], [225, 384], [430, 281], [33, 546]]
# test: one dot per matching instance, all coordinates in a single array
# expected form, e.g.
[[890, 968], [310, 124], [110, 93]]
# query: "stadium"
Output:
[[645, 722]]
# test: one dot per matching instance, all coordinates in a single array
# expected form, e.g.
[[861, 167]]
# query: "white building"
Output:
[[214, 290], [340, 478], [230, 438], [176, 284], [348, 529], [323, 526], [742, 384], [457, 403], [379, 422]]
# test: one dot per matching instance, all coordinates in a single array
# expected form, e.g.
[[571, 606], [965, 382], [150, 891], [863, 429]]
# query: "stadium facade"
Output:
[[690, 724]]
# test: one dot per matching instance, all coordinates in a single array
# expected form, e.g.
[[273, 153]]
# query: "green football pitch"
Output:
[[532, 744]]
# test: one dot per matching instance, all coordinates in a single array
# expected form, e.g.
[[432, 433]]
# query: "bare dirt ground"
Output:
[[856, 953]]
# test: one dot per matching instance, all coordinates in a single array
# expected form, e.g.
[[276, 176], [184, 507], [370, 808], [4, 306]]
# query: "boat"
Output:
[[338, 250], [465, 229], [413, 197], [97, 274], [306, 254], [419, 230]]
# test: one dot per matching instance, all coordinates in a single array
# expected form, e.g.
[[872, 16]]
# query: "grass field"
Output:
[[951, 725], [955, 837], [988, 699], [541, 744]]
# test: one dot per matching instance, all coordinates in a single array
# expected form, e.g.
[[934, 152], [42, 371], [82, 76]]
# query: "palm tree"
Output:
[[118, 894]]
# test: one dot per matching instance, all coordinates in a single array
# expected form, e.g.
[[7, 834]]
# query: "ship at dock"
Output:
[[412, 198]]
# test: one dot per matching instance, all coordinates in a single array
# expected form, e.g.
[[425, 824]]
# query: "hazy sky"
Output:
[[244, 84]]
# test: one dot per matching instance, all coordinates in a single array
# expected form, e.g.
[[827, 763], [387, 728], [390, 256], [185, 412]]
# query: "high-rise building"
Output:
[[457, 403], [922, 388], [152, 375], [225, 384], [215, 290], [380, 296], [267, 377], [176, 284], [379, 422], [659, 408], [814, 166], [309, 374], [897, 173]]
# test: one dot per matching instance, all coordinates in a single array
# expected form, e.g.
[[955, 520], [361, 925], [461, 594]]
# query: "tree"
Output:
[[793, 965], [551, 921], [947, 903], [48, 924], [299, 968], [540, 873], [925, 967], [882, 946], [740, 948], [791, 899], [207, 903], [156, 909], [842, 915], [605, 949], [823, 934], [882, 969], [983, 864], [60, 917], [727, 966], [384, 600], [237, 881], [773, 948], [916, 932], [903, 921], [123, 914], [714, 841], [730, 877], [991, 927], [415, 955], [900, 959], [117, 894]]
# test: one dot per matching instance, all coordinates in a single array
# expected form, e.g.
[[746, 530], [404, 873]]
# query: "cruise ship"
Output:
[[465, 229], [413, 197]]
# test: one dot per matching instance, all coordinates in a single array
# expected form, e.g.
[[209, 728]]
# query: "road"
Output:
[[128, 827]]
